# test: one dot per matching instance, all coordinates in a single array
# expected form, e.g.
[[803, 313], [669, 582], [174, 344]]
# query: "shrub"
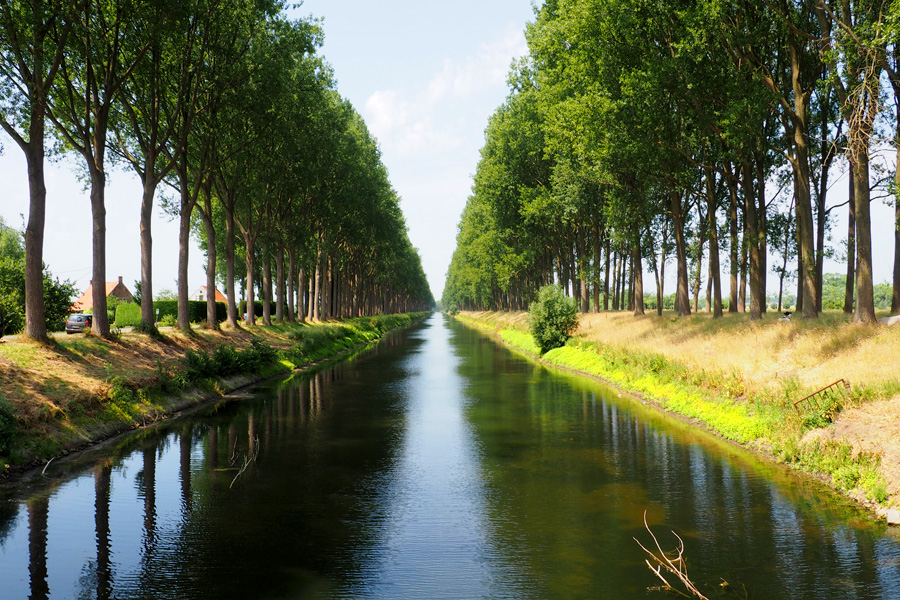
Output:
[[8, 426], [128, 314], [552, 318]]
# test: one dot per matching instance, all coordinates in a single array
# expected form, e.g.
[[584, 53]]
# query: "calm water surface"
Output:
[[437, 465]]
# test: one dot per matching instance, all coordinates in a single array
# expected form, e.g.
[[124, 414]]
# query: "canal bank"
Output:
[[693, 370], [80, 390]]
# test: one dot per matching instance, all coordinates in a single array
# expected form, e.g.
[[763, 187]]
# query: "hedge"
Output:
[[242, 308], [196, 310], [128, 314]]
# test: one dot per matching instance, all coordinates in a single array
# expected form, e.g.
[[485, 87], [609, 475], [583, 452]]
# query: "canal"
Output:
[[435, 465]]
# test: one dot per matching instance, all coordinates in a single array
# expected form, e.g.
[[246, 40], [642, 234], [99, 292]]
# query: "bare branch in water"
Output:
[[675, 566]]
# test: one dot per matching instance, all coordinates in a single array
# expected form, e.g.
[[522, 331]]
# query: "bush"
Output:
[[8, 426], [128, 314], [552, 318]]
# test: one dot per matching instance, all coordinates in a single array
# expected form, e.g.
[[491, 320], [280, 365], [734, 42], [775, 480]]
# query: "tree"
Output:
[[33, 42], [99, 57]]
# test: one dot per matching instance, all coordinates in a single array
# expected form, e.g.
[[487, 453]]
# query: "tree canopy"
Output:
[[229, 103], [638, 131]]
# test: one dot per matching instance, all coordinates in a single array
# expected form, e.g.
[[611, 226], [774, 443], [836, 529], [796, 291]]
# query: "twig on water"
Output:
[[249, 458], [675, 566]]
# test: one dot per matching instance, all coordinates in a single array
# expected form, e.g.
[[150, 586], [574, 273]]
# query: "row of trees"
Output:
[[227, 103], [638, 129]]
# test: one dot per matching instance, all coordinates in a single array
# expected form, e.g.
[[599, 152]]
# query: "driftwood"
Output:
[[672, 564]]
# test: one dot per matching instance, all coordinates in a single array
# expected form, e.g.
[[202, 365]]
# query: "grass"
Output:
[[80, 389], [740, 378]]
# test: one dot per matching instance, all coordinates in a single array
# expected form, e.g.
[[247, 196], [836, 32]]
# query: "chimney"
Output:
[[120, 280]]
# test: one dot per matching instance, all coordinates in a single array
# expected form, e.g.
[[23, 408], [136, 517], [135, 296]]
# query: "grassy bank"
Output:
[[81, 389], [741, 379]]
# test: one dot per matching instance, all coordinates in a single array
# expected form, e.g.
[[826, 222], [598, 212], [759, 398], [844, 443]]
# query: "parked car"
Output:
[[78, 323]]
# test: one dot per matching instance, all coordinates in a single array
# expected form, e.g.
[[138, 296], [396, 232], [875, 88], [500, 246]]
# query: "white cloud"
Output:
[[429, 116]]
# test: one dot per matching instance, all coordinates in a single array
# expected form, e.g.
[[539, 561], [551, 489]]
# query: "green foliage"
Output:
[[258, 308], [57, 294], [552, 318], [128, 314], [167, 311], [834, 289], [8, 426], [224, 361]]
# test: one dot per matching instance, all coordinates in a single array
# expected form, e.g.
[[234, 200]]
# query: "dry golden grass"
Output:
[[815, 352], [47, 385]]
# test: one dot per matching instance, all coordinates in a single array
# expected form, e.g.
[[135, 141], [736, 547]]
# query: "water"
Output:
[[437, 465]]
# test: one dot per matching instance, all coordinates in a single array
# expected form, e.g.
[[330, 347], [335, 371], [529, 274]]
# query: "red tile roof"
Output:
[[85, 302]]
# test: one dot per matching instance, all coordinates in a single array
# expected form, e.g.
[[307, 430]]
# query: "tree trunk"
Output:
[[188, 201], [714, 278], [267, 285], [631, 300], [280, 284], [762, 231], [229, 265], [596, 266], [733, 242], [617, 278], [704, 224], [806, 249], [865, 292], [249, 245], [752, 237], [291, 292], [638, 277], [682, 301], [584, 272], [318, 287], [606, 281], [301, 295], [212, 318], [895, 296], [35, 317], [100, 326], [148, 318], [850, 282]]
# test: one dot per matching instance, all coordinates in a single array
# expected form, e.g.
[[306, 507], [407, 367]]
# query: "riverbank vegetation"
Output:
[[741, 379], [75, 391], [229, 105], [706, 133]]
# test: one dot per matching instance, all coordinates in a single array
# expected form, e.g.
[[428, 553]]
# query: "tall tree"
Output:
[[100, 55], [33, 41]]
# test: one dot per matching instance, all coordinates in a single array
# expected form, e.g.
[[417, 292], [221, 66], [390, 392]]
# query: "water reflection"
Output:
[[435, 466]]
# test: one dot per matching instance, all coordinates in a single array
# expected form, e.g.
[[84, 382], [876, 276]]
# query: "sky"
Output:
[[425, 76]]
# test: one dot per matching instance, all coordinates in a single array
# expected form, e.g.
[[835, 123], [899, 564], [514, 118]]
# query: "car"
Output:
[[78, 323]]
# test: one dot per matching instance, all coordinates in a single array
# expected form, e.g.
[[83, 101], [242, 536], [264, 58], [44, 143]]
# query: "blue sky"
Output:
[[424, 75]]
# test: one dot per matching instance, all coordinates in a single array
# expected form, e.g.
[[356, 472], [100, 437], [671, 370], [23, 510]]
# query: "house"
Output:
[[114, 289], [201, 294]]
